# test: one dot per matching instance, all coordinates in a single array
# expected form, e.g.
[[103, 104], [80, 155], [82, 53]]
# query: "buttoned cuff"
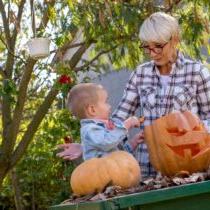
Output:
[[118, 123]]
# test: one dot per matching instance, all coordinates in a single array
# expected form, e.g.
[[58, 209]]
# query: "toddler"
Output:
[[99, 135]]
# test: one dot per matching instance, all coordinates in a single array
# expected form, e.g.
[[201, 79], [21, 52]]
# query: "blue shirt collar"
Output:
[[87, 121]]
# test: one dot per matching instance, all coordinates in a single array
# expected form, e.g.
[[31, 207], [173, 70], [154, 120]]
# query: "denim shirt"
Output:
[[98, 140]]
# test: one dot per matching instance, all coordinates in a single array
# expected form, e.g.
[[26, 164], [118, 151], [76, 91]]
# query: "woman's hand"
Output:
[[70, 151], [132, 122]]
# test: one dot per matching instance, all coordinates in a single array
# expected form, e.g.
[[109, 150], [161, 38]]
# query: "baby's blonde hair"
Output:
[[81, 96], [159, 28]]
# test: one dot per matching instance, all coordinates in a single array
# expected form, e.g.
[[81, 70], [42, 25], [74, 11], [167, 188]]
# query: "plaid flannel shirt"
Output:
[[188, 89]]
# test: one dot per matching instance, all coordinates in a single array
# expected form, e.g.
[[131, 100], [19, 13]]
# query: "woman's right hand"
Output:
[[133, 121], [71, 151]]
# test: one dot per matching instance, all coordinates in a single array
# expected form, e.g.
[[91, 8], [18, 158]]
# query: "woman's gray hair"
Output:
[[159, 28]]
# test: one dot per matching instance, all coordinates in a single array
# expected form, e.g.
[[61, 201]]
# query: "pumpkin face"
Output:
[[118, 168], [177, 142]]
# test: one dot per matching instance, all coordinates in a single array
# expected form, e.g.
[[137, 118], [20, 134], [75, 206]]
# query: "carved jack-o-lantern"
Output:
[[177, 142]]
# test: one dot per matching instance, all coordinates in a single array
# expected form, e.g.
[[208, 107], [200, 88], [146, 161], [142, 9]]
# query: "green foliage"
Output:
[[43, 177], [114, 25], [8, 90], [193, 20]]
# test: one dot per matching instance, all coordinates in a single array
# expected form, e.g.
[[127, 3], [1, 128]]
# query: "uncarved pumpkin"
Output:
[[117, 168], [176, 142]]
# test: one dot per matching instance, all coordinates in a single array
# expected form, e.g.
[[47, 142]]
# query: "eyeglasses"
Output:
[[157, 49]]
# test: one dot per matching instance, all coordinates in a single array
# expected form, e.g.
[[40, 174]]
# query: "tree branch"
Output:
[[11, 127], [10, 41], [2, 73], [17, 116], [9, 51], [33, 126], [67, 46], [45, 17], [6, 122], [5, 22], [77, 55], [16, 189], [17, 25], [169, 9], [95, 58], [63, 48]]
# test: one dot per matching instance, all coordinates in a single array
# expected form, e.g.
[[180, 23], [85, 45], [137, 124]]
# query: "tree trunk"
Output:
[[33, 197], [1, 181], [17, 191], [3, 172]]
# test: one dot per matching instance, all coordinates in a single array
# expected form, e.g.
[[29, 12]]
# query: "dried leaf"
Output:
[[112, 190], [178, 181], [145, 185], [157, 186], [164, 182], [195, 178], [148, 181], [99, 196], [182, 174]]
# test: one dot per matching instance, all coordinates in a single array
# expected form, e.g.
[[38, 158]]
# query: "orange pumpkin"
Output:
[[118, 168], [177, 142]]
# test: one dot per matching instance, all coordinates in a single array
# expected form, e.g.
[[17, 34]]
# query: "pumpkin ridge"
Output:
[[113, 168]]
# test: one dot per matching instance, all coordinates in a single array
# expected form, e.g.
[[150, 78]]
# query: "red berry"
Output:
[[67, 139], [65, 79]]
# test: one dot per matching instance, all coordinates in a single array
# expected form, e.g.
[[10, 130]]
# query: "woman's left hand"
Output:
[[71, 151]]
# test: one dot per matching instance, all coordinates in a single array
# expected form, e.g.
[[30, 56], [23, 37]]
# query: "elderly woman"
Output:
[[168, 82]]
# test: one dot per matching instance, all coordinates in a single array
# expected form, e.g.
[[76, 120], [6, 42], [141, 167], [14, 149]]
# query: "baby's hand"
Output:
[[136, 140], [133, 122]]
